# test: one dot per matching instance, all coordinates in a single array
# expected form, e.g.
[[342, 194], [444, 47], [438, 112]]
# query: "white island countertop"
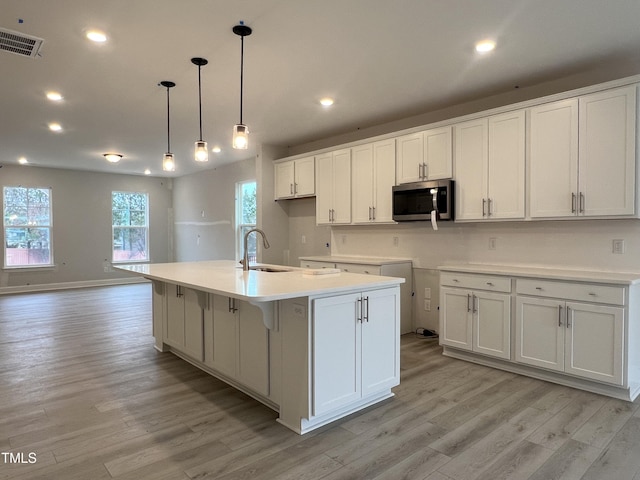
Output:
[[226, 277]]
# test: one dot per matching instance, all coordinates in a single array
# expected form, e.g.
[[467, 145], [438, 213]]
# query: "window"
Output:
[[245, 218], [27, 227], [130, 226]]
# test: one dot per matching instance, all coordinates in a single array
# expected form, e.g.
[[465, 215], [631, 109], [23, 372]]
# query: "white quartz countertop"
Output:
[[226, 277], [595, 276], [357, 260]]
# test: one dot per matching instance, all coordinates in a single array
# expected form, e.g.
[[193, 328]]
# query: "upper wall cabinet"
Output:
[[333, 192], [489, 167], [295, 178], [583, 156], [374, 174], [424, 156]]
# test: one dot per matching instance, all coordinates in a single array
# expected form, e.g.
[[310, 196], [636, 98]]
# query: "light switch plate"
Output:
[[618, 246]]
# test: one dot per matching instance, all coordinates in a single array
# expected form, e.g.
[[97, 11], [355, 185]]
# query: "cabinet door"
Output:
[[456, 325], [492, 324], [174, 323], [505, 188], [471, 141], [380, 340], [607, 152], [225, 337], [336, 355], [342, 186], [438, 153], [304, 177], [409, 158], [253, 349], [324, 188], [194, 303], [553, 169], [540, 332], [284, 173], [362, 183], [594, 342], [384, 167]]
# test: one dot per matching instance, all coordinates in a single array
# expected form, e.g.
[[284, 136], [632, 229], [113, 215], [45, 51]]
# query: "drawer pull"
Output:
[[490, 284], [539, 288], [591, 294], [456, 280]]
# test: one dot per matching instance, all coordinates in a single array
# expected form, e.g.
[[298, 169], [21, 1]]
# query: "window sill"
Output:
[[34, 268]]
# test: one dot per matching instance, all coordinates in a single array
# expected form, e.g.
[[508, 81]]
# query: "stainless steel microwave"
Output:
[[415, 201]]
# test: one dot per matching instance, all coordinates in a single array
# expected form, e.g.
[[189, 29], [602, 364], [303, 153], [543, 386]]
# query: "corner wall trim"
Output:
[[70, 285]]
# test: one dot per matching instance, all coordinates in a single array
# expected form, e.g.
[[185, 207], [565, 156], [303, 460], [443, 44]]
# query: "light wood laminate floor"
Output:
[[83, 389]]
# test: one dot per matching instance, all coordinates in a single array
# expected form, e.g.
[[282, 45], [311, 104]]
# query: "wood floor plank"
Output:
[[605, 423], [569, 462]]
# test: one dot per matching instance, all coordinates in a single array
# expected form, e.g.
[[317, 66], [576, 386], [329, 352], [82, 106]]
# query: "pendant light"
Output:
[[201, 151], [240, 131], [168, 162]]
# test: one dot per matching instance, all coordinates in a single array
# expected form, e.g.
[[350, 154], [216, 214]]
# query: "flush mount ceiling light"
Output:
[[23, 161], [112, 157], [168, 162], [54, 96], [147, 172], [485, 46], [96, 36], [326, 101], [240, 130], [201, 151], [55, 127], [216, 149]]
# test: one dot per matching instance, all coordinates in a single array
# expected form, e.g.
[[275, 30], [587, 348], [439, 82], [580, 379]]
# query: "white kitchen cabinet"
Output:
[[374, 266], [295, 178], [577, 338], [474, 319], [239, 343], [583, 156], [183, 325], [373, 178], [355, 349], [490, 167], [333, 187], [424, 156]]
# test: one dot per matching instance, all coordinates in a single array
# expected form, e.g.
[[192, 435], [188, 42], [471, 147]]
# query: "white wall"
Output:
[[82, 239], [212, 236]]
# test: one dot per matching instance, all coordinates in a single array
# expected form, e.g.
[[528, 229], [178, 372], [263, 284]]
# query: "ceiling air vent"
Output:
[[19, 43]]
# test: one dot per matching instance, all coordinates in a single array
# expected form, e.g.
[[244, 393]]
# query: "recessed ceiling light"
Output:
[[112, 157], [54, 96], [147, 172], [96, 36], [22, 161], [326, 102], [485, 46], [216, 149], [55, 127]]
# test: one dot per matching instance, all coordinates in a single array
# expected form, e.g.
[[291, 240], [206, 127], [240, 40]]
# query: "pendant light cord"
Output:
[[168, 124], [241, 73], [200, 99]]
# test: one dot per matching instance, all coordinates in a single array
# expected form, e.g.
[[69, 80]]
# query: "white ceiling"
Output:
[[382, 60]]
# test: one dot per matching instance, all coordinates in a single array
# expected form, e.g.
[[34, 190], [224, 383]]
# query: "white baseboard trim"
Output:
[[44, 287]]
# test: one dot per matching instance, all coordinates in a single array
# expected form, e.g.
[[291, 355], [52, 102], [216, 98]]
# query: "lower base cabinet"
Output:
[[183, 325], [355, 351]]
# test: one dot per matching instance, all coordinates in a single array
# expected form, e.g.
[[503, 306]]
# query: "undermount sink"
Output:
[[259, 268]]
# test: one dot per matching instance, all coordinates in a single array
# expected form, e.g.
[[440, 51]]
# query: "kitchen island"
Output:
[[314, 346]]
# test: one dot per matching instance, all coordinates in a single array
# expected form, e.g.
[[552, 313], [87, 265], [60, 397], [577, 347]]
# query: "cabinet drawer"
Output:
[[490, 283], [359, 268], [316, 264], [585, 292]]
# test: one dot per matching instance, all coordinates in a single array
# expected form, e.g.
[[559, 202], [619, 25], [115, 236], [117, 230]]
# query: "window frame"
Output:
[[239, 225], [145, 226], [28, 225]]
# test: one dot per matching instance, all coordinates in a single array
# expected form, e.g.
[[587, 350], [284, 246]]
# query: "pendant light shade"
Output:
[[240, 130], [201, 152], [168, 162]]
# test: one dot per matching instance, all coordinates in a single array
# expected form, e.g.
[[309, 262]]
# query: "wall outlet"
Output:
[[303, 239], [202, 213], [396, 241], [427, 305], [427, 293], [492, 243], [618, 246]]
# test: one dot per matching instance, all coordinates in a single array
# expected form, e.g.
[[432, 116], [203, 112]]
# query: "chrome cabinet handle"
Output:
[[484, 201], [295, 188], [573, 203], [291, 188], [420, 174], [365, 302], [474, 303], [559, 315], [369, 213], [424, 171], [581, 202], [489, 203], [373, 213], [468, 299], [359, 309], [568, 317]]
